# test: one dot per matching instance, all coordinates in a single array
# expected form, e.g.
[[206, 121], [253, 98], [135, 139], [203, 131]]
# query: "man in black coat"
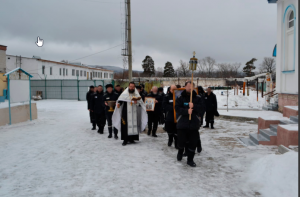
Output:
[[143, 91], [88, 99], [118, 90], [110, 95], [98, 109], [211, 107], [188, 129], [201, 93], [139, 89], [153, 116], [162, 115], [170, 124]]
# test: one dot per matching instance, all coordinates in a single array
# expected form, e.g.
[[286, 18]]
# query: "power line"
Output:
[[98, 52]]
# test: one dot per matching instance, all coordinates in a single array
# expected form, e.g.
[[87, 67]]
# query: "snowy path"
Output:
[[58, 155]]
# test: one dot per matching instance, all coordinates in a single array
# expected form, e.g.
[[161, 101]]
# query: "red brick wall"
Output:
[[3, 48], [287, 100]]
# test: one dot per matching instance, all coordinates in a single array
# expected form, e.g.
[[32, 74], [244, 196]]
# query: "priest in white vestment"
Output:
[[130, 117]]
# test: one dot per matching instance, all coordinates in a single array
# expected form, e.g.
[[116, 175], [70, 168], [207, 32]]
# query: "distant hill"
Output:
[[113, 68]]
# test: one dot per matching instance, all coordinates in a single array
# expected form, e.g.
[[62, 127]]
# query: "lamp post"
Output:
[[193, 65]]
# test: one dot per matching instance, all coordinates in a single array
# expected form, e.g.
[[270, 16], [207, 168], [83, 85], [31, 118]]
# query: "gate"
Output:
[[65, 89]]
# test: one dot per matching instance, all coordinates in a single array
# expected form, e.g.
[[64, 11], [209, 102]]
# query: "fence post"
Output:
[[61, 89], [78, 87], [45, 87]]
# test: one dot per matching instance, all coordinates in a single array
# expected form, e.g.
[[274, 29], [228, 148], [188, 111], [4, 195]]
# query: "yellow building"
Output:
[[3, 81]]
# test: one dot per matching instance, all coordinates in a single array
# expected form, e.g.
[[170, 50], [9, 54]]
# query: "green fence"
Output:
[[65, 89]]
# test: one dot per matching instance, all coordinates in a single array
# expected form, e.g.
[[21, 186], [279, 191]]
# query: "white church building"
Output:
[[286, 52]]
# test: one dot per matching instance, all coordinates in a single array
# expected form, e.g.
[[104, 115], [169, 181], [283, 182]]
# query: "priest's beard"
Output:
[[131, 91]]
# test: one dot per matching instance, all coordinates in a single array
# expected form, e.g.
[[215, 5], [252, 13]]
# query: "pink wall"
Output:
[[287, 100]]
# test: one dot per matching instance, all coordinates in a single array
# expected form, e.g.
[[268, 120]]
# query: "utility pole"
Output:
[[129, 42]]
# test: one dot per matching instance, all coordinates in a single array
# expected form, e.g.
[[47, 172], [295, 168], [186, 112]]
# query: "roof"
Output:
[[16, 69], [63, 63], [272, 1], [73, 65]]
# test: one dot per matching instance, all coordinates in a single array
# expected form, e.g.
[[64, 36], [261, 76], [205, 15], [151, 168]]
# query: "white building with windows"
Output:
[[41, 69], [286, 52]]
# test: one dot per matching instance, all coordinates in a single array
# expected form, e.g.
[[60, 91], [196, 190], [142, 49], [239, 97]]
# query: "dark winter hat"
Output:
[[142, 85], [109, 86], [91, 87], [117, 85], [100, 86], [160, 89], [138, 87]]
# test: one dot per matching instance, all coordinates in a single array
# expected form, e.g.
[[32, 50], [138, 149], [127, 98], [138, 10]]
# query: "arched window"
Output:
[[291, 20], [289, 39]]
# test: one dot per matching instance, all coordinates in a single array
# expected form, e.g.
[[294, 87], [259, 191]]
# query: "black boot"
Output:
[[94, 126], [185, 154], [124, 143], [170, 139], [212, 125], [190, 159], [179, 154], [100, 130], [207, 125], [116, 136], [149, 132], [116, 133], [154, 133], [110, 132], [199, 147]]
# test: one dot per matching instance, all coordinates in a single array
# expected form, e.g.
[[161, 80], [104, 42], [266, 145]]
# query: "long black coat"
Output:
[[168, 107], [97, 103], [203, 105], [88, 99], [211, 102], [182, 107]]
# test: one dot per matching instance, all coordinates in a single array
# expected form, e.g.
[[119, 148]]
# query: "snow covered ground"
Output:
[[59, 155], [237, 101]]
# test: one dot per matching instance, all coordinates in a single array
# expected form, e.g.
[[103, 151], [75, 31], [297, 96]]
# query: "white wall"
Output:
[[286, 82], [34, 67]]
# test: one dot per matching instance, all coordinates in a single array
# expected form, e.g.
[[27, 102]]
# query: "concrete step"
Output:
[[294, 118], [287, 122], [255, 138], [267, 133], [273, 127], [247, 141]]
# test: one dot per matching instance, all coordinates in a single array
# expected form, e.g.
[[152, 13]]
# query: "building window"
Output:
[[77, 73], [60, 71], [43, 70], [105, 75], [66, 72], [291, 20], [73, 72], [81, 73], [50, 70], [85, 73], [101, 75], [111, 76], [94, 74]]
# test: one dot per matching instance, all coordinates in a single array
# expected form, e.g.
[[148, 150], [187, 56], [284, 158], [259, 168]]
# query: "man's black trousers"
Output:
[[153, 122], [190, 136], [100, 120], [109, 123]]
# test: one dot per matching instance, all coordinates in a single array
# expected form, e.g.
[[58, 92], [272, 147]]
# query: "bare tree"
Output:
[[183, 69], [207, 65], [268, 65]]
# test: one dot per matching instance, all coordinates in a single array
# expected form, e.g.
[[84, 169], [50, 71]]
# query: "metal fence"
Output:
[[65, 89]]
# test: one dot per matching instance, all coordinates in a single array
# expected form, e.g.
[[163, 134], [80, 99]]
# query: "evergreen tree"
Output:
[[148, 66], [249, 68], [169, 70]]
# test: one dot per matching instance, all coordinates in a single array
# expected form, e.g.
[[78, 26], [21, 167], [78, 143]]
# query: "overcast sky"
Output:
[[167, 30]]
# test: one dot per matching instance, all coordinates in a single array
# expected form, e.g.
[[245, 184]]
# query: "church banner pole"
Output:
[[193, 64]]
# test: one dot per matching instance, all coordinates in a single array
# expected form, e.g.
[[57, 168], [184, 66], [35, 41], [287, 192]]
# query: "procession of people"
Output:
[[126, 113]]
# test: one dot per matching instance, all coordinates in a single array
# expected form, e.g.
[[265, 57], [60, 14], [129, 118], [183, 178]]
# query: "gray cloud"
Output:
[[167, 30]]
